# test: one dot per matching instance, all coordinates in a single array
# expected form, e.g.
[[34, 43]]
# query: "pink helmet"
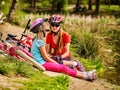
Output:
[[36, 24], [55, 19]]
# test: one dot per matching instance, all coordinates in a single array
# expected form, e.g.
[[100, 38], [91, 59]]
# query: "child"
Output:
[[40, 55]]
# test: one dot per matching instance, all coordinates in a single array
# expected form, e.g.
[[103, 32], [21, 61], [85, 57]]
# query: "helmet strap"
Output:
[[55, 33]]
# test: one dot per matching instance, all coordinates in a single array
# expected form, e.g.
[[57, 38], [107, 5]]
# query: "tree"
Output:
[[89, 4], [109, 2], [58, 5], [54, 2], [77, 3], [77, 6], [119, 2], [33, 4], [97, 6], [12, 10]]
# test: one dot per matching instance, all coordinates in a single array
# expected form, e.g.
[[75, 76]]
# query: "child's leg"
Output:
[[75, 64], [60, 68], [64, 69]]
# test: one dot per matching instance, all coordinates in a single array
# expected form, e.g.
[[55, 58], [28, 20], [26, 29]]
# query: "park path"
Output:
[[74, 84]]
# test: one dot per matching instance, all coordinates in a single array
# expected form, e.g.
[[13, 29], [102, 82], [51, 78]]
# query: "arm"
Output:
[[45, 55], [48, 45], [66, 42], [48, 48], [67, 51]]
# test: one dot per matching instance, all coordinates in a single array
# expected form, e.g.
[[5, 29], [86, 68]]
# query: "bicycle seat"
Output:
[[12, 35]]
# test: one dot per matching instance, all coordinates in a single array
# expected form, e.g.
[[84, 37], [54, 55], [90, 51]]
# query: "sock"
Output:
[[74, 64], [85, 76], [89, 75]]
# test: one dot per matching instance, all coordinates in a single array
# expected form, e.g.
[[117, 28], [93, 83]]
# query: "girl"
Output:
[[58, 42], [39, 53]]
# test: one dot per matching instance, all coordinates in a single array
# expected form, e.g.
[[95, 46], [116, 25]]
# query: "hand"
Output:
[[58, 59]]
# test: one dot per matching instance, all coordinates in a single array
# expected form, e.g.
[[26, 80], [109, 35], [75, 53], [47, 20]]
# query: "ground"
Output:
[[75, 84]]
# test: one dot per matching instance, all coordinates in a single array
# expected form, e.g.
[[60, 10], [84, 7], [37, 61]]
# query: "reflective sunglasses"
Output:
[[55, 24]]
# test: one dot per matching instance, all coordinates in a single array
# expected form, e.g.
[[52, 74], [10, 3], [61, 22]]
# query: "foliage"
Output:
[[96, 40], [46, 83], [12, 67], [94, 64], [5, 5], [88, 45], [63, 3], [37, 80], [89, 63]]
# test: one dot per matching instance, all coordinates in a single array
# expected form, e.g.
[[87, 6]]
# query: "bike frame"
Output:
[[26, 42]]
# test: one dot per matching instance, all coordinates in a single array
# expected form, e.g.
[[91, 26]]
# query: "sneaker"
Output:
[[91, 75], [79, 66]]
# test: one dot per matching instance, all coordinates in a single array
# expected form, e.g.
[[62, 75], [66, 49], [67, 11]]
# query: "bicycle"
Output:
[[18, 52], [25, 42]]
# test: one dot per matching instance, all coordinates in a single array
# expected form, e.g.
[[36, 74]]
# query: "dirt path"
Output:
[[8, 28], [75, 84], [79, 84], [8, 83]]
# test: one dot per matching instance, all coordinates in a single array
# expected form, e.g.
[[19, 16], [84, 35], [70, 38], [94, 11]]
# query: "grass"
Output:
[[12, 67], [96, 35], [111, 9], [46, 83]]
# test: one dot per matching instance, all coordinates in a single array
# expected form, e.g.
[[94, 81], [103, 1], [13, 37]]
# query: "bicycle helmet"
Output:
[[36, 24], [55, 19]]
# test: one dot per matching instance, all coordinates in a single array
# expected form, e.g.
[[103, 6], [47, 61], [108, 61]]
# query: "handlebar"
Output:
[[27, 27]]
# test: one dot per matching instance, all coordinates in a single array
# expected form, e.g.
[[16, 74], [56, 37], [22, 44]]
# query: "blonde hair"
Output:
[[41, 33], [60, 41]]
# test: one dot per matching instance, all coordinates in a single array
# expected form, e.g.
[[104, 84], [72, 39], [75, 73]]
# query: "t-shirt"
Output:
[[36, 52], [65, 40]]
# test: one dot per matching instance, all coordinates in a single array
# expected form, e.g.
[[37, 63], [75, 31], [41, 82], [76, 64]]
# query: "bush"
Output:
[[88, 45]]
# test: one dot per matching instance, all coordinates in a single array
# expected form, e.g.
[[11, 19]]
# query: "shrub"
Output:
[[88, 45]]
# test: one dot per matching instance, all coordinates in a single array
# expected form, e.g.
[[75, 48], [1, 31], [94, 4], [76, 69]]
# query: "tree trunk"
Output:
[[77, 6], [54, 2], [119, 3], [33, 4], [97, 6], [90, 5], [109, 3], [77, 3], [12, 10]]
